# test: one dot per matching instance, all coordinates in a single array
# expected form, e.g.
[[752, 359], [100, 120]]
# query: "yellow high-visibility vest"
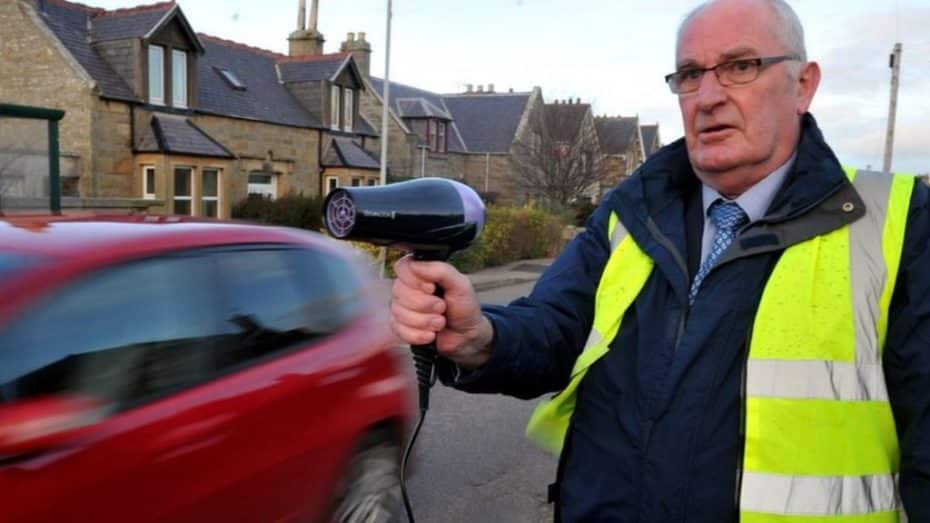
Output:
[[820, 439]]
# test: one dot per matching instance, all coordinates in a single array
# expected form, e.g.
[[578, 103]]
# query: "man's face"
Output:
[[746, 130]]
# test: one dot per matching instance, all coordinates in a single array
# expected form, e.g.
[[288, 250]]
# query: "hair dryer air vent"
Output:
[[340, 215]]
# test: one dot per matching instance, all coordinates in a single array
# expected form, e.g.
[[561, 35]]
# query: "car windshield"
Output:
[[12, 262]]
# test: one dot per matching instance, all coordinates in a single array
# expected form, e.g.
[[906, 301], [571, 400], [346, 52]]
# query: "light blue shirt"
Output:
[[753, 202]]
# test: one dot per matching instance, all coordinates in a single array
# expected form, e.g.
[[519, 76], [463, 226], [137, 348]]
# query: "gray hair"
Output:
[[789, 30]]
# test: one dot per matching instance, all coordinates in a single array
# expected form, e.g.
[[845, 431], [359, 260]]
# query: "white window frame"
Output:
[[347, 109], [190, 189], [148, 192], [203, 195], [179, 85], [334, 109], [441, 137], [264, 189], [331, 186], [156, 88]]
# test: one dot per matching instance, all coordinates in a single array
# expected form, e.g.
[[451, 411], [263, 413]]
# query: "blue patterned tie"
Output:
[[728, 217]]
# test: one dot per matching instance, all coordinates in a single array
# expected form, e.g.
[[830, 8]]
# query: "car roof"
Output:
[[62, 236]]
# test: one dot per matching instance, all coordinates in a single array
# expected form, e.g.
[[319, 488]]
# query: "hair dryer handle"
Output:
[[424, 359]]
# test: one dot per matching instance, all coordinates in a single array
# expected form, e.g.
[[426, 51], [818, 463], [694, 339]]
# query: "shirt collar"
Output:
[[757, 199]]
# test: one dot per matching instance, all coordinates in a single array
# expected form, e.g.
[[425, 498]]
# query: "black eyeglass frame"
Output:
[[760, 63]]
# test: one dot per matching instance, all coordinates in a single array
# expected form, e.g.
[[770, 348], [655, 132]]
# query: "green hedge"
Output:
[[292, 210]]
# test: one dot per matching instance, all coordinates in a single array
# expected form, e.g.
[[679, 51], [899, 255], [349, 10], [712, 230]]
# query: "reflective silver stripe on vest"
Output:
[[818, 495], [812, 379], [618, 236], [868, 272]]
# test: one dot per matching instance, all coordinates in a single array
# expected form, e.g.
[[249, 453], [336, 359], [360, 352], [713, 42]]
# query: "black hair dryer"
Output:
[[430, 217]]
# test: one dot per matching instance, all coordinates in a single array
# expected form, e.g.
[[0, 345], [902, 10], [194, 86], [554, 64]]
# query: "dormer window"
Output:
[[179, 78], [156, 75]]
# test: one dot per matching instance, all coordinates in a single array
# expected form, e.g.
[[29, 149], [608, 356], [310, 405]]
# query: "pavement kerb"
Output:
[[503, 282]]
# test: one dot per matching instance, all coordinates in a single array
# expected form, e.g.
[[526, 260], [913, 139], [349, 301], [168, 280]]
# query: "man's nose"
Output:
[[710, 92]]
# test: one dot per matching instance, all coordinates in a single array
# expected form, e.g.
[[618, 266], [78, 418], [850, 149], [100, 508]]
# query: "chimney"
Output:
[[510, 90], [314, 15], [469, 88], [480, 88], [303, 41], [490, 88], [577, 101], [360, 50]]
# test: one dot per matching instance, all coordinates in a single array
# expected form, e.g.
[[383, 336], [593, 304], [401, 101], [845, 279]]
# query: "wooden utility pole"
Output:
[[895, 64]]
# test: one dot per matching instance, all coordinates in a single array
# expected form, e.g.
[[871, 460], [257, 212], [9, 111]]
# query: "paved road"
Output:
[[473, 463]]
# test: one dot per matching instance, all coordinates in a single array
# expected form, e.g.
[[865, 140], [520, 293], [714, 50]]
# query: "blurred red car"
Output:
[[155, 369]]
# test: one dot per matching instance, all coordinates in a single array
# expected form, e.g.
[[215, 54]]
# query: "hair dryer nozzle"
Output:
[[433, 217]]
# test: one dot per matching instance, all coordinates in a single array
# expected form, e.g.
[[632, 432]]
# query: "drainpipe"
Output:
[[422, 162], [487, 170]]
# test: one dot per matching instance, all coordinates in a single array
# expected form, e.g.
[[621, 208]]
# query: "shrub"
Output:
[[517, 233], [291, 210]]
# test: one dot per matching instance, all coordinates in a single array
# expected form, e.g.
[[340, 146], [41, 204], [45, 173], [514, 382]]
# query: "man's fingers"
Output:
[[417, 320], [415, 299], [404, 271], [412, 336]]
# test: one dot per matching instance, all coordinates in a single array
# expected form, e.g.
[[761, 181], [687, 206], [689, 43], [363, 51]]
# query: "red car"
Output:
[[157, 369]]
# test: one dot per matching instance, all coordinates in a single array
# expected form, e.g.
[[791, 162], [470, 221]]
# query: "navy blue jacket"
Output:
[[655, 436]]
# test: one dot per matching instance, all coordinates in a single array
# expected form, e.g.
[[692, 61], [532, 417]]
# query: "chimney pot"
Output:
[[350, 37], [469, 88], [510, 90], [361, 36], [490, 88], [480, 88], [578, 101]]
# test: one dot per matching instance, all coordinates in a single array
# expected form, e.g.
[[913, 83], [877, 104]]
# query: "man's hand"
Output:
[[455, 322]]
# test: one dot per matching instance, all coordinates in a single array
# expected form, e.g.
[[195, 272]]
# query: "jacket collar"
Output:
[[650, 204]]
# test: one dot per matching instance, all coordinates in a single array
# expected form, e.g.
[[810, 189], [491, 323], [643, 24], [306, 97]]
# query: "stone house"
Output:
[[623, 147], [467, 136], [652, 142], [160, 117]]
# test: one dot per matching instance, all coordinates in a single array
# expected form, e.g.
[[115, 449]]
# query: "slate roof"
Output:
[[178, 135], [420, 103], [69, 23], [312, 68], [650, 138], [128, 23], [487, 122], [564, 120], [264, 98], [616, 133], [344, 152]]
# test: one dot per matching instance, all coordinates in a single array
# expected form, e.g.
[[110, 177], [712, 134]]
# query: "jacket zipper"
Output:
[[680, 262], [741, 457]]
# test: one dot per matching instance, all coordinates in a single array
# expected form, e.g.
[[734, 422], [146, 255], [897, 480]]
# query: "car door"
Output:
[[140, 337]]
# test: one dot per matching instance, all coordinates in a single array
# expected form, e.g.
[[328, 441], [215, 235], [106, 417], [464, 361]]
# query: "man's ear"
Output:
[[808, 81]]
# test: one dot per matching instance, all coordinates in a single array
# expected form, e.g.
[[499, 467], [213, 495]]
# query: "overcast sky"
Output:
[[613, 54]]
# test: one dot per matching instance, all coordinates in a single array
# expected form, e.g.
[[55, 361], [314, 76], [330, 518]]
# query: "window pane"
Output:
[[156, 74], [347, 109], [122, 335], [210, 208], [356, 182], [179, 78], [148, 188], [182, 182], [259, 178], [334, 107], [210, 182], [332, 183], [182, 207], [331, 290]]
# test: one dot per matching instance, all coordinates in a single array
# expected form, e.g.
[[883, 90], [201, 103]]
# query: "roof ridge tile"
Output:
[[239, 45], [161, 6], [79, 6]]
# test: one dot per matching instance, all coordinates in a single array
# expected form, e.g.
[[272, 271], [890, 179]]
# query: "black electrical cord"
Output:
[[424, 358]]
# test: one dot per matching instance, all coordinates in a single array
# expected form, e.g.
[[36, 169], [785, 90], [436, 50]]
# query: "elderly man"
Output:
[[742, 332]]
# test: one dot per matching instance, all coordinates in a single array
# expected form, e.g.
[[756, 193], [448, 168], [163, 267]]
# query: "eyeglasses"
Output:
[[734, 72]]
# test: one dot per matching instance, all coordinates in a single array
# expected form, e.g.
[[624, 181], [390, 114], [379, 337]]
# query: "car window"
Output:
[[11, 263], [124, 334], [281, 298]]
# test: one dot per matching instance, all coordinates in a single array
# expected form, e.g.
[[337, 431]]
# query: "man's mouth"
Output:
[[714, 131]]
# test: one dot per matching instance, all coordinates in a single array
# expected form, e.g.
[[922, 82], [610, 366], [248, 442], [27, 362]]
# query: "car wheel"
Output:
[[371, 489]]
